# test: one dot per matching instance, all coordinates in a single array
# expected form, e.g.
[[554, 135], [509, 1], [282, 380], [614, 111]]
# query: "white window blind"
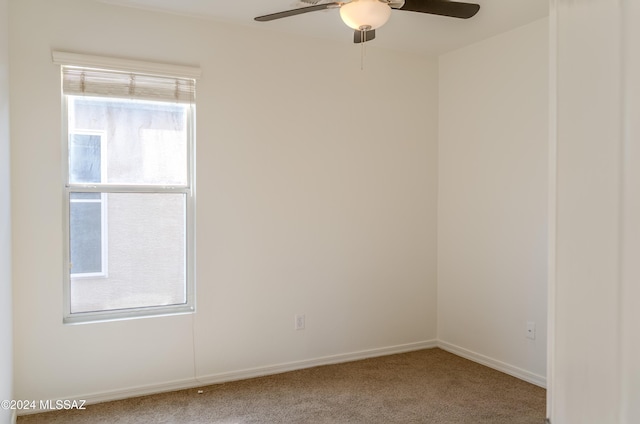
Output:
[[106, 83], [101, 76]]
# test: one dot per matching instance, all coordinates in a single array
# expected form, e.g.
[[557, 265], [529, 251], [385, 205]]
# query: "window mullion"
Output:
[[129, 188]]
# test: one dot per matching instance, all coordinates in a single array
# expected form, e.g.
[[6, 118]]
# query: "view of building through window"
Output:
[[86, 209]]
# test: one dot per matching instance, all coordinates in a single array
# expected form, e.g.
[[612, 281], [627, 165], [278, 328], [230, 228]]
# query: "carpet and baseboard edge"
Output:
[[520, 373], [218, 378], [244, 374]]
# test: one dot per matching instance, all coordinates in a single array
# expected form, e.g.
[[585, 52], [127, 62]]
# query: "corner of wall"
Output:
[[6, 315]]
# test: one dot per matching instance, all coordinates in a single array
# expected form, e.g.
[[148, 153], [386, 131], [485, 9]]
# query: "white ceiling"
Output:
[[408, 31]]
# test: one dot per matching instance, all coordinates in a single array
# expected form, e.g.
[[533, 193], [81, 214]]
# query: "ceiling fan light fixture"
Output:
[[365, 14]]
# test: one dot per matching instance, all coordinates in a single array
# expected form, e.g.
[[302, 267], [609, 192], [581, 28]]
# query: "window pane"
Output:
[[147, 141], [85, 225], [84, 158], [146, 255], [84, 196]]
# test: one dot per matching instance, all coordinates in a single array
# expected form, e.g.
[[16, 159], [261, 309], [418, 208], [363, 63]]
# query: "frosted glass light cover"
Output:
[[365, 13]]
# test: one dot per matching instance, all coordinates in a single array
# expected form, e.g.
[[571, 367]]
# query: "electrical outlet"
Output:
[[299, 322], [531, 330]]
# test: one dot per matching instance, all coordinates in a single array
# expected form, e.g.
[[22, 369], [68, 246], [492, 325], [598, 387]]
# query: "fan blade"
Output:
[[363, 36], [442, 7], [298, 11]]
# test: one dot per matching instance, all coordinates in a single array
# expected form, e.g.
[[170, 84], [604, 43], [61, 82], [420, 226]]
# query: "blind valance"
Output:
[[108, 83]]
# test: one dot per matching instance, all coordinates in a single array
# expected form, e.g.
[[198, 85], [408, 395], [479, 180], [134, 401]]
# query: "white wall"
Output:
[[316, 195], [492, 216], [6, 334], [596, 354]]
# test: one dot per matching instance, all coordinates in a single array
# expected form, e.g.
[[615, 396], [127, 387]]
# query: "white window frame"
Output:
[[126, 65]]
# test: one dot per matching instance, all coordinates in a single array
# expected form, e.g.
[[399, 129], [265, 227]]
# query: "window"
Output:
[[128, 192]]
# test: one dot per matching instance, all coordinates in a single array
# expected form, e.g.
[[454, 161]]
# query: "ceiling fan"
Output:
[[365, 16]]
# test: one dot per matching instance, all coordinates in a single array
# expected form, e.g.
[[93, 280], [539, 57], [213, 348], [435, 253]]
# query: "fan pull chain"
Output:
[[363, 52]]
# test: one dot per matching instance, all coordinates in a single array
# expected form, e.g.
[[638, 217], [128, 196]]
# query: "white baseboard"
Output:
[[151, 389], [244, 374], [525, 375]]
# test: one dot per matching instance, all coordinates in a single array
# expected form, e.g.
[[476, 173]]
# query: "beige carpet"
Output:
[[427, 386]]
